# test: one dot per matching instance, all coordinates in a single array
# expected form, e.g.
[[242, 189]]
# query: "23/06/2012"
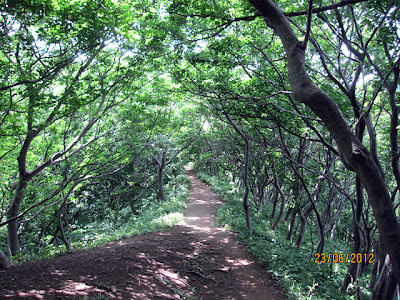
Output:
[[321, 258]]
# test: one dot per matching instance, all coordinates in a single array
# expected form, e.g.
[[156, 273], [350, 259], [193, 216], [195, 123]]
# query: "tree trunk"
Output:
[[4, 263], [60, 226], [378, 291], [303, 223], [274, 203], [333, 223], [13, 225], [160, 165], [246, 187], [394, 121], [354, 155], [246, 173], [288, 213], [133, 209], [261, 193], [389, 292], [12, 232], [281, 209], [357, 238], [302, 230], [297, 208], [374, 273], [293, 216], [160, 183], [379, 262]]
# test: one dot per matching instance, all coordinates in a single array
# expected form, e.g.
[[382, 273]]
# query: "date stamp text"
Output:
[[323, 258]]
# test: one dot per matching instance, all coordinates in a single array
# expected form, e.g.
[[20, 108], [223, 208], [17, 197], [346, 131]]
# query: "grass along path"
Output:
[[195, 260]]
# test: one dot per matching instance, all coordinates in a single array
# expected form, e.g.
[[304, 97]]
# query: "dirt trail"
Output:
[[195, 260]]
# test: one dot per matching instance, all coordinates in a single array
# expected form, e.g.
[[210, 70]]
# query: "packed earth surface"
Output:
[[194, 260]]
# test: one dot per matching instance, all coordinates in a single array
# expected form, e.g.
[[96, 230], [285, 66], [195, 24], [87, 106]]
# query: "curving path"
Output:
[[195, 260]]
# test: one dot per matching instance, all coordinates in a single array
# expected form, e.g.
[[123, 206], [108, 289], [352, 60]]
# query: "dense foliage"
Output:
[[102, 104]]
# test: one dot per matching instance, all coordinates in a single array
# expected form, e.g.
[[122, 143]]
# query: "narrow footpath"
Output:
[[243, 278], [195, 260]]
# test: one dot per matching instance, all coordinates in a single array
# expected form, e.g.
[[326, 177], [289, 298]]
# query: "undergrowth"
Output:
[[154, 216], [294, 267]]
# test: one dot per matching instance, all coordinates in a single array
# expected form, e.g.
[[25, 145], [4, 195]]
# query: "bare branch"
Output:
[[309, 18], [324, 8]]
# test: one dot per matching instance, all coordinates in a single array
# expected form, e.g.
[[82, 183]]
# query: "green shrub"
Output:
[[294, 268], [154, 216]]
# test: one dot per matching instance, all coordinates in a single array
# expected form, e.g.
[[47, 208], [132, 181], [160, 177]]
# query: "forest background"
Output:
[[290, 109]]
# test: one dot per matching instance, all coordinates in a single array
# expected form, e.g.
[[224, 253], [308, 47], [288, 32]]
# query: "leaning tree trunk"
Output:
[[303, 225], [246, 187], [274, 202], [354, 155], [4, 263], [62, 208], [378, 292], [246, 173], [13, 211], [302, 231], [292, 222], [357, 238], [274, 226]]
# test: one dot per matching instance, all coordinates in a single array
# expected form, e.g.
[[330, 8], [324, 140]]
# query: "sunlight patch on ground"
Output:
[[169, 219], [152, 279], [58, 273], [32, 294], [78, 288], [200, 228], [239, 262], [225, 240], [173, 277]]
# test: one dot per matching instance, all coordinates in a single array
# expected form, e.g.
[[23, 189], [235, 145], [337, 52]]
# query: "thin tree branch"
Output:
[[309, 18], [324, 8]]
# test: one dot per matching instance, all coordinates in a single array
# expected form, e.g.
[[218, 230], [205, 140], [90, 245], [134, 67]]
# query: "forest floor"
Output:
[[194, 260]]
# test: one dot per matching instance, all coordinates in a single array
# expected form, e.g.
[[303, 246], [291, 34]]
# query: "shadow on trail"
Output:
[[195, 260]]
